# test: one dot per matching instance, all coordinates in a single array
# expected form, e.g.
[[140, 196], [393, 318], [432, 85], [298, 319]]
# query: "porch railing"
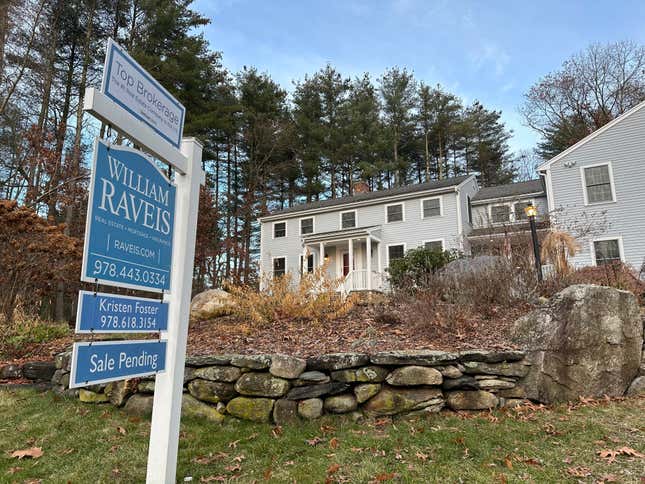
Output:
[[356, 280]]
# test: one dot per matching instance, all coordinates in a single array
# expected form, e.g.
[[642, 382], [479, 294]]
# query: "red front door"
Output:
[[345, 264]]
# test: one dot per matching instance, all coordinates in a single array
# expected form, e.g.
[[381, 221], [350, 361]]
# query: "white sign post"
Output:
[[153, 127]]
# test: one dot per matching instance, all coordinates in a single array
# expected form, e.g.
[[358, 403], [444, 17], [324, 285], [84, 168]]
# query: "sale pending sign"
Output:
[[130, 219]]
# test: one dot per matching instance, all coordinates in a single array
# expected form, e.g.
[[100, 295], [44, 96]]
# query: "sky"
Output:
[[491, 51]]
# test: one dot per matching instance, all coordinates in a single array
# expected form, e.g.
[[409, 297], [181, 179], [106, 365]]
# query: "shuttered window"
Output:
[[307, 226], [500, 213], [598, 184], [394, 213], [431, 207], [607, 251], [395, 252], [279, 230], [347, 220]]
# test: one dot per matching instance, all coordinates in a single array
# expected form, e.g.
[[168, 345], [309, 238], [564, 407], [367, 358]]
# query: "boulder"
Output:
[[310, 408], [464, 382], [191, 407], [119, 391], [366, 391], [285, 412], [337, 361], [87, 396], [218, 373], [392, 401], [518, 369], [253, 409], [62, 361], [413, 357], [254, 362], [313, 391], [211, 391], [344, 403], [56, 377], [365, 374], [208, 360], [471, 400], [516, 392], [261, 385], [11, 372], [139, 404], [494, 384], [146, 386], [285, 366], [491, 356], [637, 387], [586, 341], [414, 375], [311, 377], [39, 370], [451, 371], [210, 304]]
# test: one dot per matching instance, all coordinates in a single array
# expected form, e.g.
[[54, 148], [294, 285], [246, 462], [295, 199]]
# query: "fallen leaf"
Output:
[[233, 445], [277, 431], [332, 469], [233, 468], [213, 479], [121, 430], [13, 470], [579, 471], [508, 462], [33, 452], [267, 473], [314, 442], [239, 458], [384, 476], [532, 462], [333, 443], [422, 456]]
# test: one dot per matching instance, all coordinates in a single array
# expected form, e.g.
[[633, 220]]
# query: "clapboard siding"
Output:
[[622, 145]]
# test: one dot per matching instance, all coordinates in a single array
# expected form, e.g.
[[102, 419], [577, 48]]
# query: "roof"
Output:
[[531, 187], [588, 138], [342, 233], [363, 197]]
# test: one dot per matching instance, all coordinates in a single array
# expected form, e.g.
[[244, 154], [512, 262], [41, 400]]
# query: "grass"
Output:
[[98, 443]]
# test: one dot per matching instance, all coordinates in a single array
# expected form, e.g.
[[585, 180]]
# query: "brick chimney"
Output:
[[361, 186]]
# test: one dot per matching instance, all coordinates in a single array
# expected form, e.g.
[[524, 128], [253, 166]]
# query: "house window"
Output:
[[434, 245], [279, 230], [394, 213], [309, 264], [431, 207], [500, 214], [395, 252], [279, 266], [348, 220], [470, 211], [606, 251], [306, 226], [598, 184], [518, 208]]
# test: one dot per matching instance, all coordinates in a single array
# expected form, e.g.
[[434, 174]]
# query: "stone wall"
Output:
[[282, 389], [33, 371]]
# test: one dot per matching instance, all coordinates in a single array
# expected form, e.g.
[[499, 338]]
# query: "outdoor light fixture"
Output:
[[531, 213]]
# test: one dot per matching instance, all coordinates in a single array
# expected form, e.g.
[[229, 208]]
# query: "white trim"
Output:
[[387, 251], [402, 212], [443, 243], [440, 205], [304, 260], [599, 131], [508, 198], [611, 183], [273, 229], [340, 219], [550, 200], [313, 224], [621, 250], [286, 269]]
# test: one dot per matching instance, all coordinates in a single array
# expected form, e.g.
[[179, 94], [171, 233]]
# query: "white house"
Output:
[[596, 187]]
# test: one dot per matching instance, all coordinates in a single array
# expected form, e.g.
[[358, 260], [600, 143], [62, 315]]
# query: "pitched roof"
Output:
[[510, 190], [361, 197]]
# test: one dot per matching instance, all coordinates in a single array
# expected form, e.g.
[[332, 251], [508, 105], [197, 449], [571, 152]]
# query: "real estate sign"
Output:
[[105, 361], [108, 313], [127, 84], [131, 212]]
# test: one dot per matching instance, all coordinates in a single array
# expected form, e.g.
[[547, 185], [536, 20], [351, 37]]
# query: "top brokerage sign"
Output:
[[126, 83], [130, 220]]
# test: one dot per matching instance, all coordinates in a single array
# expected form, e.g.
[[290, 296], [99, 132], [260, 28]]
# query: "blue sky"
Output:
[[492, 51]]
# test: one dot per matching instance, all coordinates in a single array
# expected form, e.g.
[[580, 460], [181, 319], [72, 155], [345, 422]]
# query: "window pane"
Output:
[[431, 208], [520, 214], [279, 266], [606, 251], [395, 252], [307, 226], [500, 213], [395, 213], [280, 229], [348, 220], [598, 184], [435, 246]]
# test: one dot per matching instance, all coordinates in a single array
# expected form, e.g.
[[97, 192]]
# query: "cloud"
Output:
[[488, 55]]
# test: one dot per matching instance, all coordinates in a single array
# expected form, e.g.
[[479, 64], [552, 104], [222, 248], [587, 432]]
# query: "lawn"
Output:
[[588, 442]]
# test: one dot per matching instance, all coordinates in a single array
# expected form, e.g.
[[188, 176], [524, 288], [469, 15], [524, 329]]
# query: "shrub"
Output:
[[314, 297], [26, 330], [417, 268]]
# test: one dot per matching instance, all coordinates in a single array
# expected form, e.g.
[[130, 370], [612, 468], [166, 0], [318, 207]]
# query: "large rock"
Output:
[[39, 370], [414, 375], [88, 396], [365, 374], [261, 385], [119, 391], [285, 412], [191, 407], [254, 362], [586, 341], [310, 378], [208, 360], [146, 386], [392, 401], [518, 368], [491, 356], [218, 373], [313, 391], [139, 405], [413, 357], [344, 403], [210, 304], [11, 372], [637, 387], [310, 408], [63, 360], [471, 400], [211, 391], [337, 361], [254, 409], [366, 391], [285, 366], [464, 382]]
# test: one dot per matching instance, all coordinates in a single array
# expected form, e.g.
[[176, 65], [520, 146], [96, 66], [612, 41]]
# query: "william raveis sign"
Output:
[[128, 239]]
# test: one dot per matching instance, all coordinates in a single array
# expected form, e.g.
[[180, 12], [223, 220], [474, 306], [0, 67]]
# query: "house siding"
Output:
[[623, 146]]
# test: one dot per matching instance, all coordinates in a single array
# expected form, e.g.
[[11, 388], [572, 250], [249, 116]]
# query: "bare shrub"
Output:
[[557, 247], [617, 275]]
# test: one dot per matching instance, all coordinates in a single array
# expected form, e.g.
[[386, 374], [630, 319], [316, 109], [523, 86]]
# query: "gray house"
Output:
[[595, 191], [356, 237]]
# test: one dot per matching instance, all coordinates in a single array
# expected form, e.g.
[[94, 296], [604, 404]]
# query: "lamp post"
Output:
[[531, 213]]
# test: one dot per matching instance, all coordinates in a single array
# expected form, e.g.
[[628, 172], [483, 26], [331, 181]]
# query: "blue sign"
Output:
[[104, 361], [130, 219], [109, 313], [127, 84]]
